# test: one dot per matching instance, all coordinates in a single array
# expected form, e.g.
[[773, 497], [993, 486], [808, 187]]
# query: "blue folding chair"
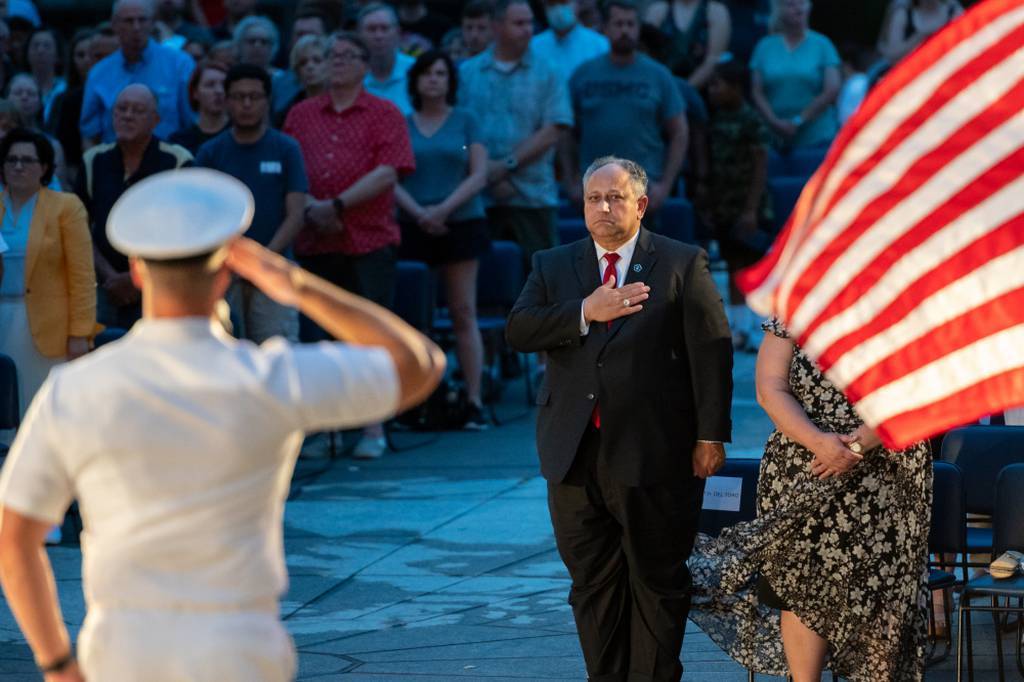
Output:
[[414, 294], [947, 535], [1008, 534], [500, 279], [10, 405], [677, 220], [784, 190], [981, 452], [800, 161], [571, 229], [107, 335], [712, 521]]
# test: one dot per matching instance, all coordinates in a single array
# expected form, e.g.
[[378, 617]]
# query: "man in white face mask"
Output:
[[566, 43]]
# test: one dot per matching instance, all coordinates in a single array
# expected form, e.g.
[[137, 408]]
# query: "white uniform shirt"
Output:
[[179, 443]]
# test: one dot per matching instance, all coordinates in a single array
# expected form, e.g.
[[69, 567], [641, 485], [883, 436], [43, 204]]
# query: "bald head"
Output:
[[135, 115], [146, 6], [132, 21]]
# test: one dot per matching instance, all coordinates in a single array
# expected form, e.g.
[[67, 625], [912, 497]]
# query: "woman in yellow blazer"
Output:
[[48, 289]]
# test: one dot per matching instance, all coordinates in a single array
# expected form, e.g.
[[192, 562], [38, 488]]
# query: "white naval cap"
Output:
[[179, 214]]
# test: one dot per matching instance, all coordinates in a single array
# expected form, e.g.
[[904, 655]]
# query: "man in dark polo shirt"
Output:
[[270, 164], [107, 171], [356, 146]]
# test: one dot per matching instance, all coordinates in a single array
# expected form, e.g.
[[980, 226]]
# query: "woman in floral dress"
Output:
[[834, 570]]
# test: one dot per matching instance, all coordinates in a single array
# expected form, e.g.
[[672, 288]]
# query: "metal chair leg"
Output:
[[959, 643], [750, 676], [1020, 637], [970, 647], [947, 607], [999, 639]]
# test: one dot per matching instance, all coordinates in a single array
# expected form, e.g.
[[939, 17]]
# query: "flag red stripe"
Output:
[[995, 316], [994, 394], [911, 98], [755, 276], [1001, 240], [991, 181], [923, 170], [953, 86]]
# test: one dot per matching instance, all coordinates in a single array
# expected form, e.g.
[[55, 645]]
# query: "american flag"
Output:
[[901, 269]]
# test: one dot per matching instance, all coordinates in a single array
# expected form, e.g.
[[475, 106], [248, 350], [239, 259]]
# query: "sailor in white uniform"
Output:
[[179, 442]]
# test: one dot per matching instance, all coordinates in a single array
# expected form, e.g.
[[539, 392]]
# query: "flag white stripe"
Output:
[[981, 360], [878, 129], [997, 277], [933, 134], [951, 179], [937, 249], [909, 99]]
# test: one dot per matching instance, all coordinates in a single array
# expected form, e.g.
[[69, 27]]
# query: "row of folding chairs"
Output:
[[980, 472]]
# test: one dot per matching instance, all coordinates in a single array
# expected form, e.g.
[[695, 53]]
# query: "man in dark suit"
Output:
[[633, 414]]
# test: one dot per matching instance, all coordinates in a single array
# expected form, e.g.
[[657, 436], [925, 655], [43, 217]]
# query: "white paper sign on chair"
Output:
[[723, 493]]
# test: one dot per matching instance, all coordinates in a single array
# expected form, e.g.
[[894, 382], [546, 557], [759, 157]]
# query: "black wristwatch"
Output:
[[339, 205], [58, 665]]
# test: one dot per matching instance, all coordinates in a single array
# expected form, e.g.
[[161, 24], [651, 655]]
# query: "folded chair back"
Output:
[[1008, 519]]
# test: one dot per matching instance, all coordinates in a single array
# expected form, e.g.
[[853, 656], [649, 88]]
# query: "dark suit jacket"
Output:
[[663, 376]]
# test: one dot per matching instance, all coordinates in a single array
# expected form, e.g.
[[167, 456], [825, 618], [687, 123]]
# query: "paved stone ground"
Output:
[[438, 563]]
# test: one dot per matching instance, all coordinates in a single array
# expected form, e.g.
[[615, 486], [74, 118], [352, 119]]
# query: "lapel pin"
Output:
[[637, 267]]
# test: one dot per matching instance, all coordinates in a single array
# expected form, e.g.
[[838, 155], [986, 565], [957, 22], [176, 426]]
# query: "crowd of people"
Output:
[[370, 132]]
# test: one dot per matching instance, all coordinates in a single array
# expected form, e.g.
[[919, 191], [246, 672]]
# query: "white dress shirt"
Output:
[[621, 269], [179, 443]]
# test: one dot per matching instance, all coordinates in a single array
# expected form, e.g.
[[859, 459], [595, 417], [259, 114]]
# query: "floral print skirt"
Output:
[[848, 554]]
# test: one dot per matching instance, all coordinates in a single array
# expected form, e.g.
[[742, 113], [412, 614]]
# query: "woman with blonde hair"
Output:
[[908, 23], [795, 79], [308, 61]]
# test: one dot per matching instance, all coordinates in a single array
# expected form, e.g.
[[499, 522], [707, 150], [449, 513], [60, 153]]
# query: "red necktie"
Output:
[[609, 272]]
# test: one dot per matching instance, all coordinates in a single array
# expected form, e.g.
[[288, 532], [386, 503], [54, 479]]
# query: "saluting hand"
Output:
[[269, 272], [608, 303]]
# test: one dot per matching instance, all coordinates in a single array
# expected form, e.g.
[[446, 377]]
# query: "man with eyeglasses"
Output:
[[107, 171], [270, 164], [140, 59], [356, 147]]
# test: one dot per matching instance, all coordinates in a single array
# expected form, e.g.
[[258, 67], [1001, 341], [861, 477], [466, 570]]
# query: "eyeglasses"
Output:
[[252, 97], [259, 40], [15, 161], [346, 57]]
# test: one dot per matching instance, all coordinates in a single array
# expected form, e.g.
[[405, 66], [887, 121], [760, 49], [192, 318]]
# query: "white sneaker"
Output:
[[370, 447], [54, 536]]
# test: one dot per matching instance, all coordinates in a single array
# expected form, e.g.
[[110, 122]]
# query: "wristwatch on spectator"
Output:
[[339, 205], [797, 120], [511, 163]]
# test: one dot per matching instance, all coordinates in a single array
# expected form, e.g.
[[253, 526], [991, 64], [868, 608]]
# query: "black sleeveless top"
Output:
[[685, 50]]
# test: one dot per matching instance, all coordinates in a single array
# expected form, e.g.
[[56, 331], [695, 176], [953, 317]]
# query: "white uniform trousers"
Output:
[[131, 645]]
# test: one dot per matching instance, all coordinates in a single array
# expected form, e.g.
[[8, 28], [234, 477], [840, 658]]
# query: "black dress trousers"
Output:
[[626, 549]]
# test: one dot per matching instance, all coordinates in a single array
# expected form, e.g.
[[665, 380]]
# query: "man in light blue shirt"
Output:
[[378, 26], [164, 70], [523, 107], [567, 43]]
